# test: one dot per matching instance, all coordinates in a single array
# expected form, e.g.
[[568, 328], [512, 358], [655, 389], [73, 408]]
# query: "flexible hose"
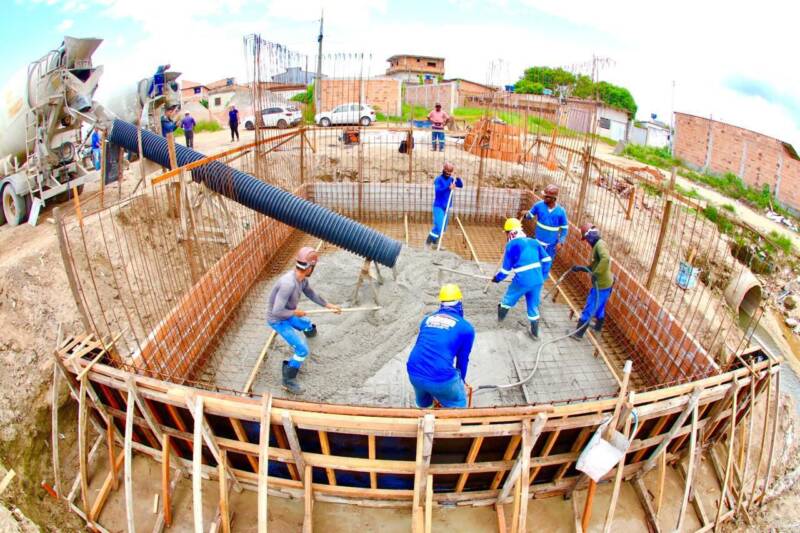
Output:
[[271, 201], [530, 375]]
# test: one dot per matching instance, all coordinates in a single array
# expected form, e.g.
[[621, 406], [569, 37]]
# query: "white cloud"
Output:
[[65, 25]]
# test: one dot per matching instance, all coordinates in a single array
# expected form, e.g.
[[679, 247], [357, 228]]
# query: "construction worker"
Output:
[[443, 187], [444, 337], [526, 258], [168, 124], [157, 82], [602, 281], [551, 223], [288, 321], [438, 120], [96, 147]]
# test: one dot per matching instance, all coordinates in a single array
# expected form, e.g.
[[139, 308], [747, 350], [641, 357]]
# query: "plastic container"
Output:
[[687, 276]]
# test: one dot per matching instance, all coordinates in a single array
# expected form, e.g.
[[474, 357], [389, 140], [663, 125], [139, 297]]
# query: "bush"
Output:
[[649, 155], [723, 224], [306, 97], [781, 241]]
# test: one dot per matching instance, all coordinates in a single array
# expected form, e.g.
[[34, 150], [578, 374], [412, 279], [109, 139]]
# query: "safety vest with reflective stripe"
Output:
[[524, 257], [551, 224]]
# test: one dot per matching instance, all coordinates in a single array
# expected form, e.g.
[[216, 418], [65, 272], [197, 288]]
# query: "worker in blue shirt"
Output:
[[157, 82], [168, 124], [96, 148], [444, 337], [443, 187], [551, 223], [526, 258]]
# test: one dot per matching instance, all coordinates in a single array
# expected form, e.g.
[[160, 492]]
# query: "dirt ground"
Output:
[[35, 300]]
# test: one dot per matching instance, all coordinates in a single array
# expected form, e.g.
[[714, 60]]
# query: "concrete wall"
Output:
[[612, 123], [649, 136], [757, 159], [428, 95], [381, 93]]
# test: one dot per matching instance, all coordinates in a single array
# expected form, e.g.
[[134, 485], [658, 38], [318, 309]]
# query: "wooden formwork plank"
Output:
[[583, 436], [166, 496], [507, 455], [676, 426], [472, 454], [373, 477], [238, 429], [112, 463], [54, 434], [745, 443], [762, 444], [263, 461], [224, 514], [662, 472], [617, 483], [83, 458], [530, 434], [209, 438], [720, 411], [501, 517], [694, 497], [529, 437], [428, 503], [771, 453], [283, 442], [325, 446], [76, 484], [647, 504], [108, 485], [548, 446], [129, 511]]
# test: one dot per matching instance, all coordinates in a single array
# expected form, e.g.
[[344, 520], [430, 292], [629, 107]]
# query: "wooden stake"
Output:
[[129, 414], [263, 461], [469, 245], [428, 504], [690, 471], [662, 471], [111, 456], [54, 436], [294, 442], [729, 461], [587, 166], [617, 483], [308, 500], [662, 232], [373, 477], [647, 504], [676, 426], [253, 373], [516, 507], [197, 463], [501, 517], [423, 459], [762, 445], [771, 453], [225, 518], [83, 459], [166, 504]]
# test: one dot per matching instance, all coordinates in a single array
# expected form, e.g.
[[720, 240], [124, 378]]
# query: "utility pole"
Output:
[[317, 80]]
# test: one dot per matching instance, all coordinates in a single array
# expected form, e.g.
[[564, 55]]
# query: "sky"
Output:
[[732, 61]]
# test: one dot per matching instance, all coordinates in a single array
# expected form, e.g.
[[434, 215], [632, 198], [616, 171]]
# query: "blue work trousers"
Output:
[[547, 265], [96, 154], [439, 222], [437, 139], [532, 293], [450, 393], [291, 330], [595, 304]]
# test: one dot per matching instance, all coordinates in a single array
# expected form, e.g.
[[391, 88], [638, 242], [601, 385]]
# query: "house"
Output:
[[467, 88], [410, 68], [650, 133], [222, 93], [192, 90], [295, 75], [757, 159]]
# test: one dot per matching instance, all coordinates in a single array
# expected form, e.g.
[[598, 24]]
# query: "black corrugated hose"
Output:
[[271, 201]]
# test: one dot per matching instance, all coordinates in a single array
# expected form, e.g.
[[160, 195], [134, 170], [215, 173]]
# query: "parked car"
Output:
[[347, 114], [275, 117]]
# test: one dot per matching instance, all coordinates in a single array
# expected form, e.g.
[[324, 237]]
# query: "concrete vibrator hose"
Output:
[[271, 201]]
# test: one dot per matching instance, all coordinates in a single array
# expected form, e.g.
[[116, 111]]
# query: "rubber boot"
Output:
[[289, 378], [535, 329], [430, 241], [598, 324], [501, 312], [582, 327], [310, 332]]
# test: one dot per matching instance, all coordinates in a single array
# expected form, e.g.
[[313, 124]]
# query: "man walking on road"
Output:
[[438, 120], [288, 321], [443, 187], [188, 125], [233, 122], [444, 337]]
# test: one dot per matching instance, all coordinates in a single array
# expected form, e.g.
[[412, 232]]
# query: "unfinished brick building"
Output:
[[758, 159]]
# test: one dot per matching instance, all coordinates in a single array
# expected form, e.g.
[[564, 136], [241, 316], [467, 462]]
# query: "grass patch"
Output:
[[657, 157], [729, 207], [781, 241], [200, 127], [688, 193], [409, 112], [722, 222]]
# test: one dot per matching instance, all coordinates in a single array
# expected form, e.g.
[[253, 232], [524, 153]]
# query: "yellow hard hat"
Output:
[[512, 224], [449, 293]]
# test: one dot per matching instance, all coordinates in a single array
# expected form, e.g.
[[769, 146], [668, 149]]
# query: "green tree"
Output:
[[306, 97], [528, 87], [549, 77], [616, 96], [584, 87]]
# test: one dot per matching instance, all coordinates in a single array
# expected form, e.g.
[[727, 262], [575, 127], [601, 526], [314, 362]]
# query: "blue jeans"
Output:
[[532, 295], [593, 300], [291, 330], [439, 222], [450, 393], [96, 158], [437, 135]]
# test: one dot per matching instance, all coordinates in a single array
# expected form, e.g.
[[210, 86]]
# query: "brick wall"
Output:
[[719, 148], [383, 94], [430, 94]]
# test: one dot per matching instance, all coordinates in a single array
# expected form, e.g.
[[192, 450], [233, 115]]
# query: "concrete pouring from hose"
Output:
[[271, 201]]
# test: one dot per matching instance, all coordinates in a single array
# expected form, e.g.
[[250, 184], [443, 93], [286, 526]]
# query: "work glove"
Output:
[[528, 215], [496, 279], [594, 278]]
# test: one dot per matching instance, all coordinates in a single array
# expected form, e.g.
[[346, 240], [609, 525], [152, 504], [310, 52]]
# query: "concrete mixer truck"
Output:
[[46, 115]]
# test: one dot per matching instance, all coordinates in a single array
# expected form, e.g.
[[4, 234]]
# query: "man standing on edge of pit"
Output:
[[551, 224], [438, 119]]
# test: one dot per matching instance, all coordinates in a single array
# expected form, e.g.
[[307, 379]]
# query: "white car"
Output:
[[347, 114], [275, 117]]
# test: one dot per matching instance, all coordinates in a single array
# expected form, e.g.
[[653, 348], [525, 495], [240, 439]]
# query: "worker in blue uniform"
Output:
[[526, 258], [443, 187], [551, 223], [444, 337]]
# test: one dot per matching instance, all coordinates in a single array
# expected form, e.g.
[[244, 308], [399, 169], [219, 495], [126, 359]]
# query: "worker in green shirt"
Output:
[[602, 281]]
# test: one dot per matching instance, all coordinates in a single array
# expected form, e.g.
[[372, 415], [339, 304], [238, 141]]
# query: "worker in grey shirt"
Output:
[[288, 321]]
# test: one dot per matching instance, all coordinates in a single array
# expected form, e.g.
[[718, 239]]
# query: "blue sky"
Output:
[[728, 60]]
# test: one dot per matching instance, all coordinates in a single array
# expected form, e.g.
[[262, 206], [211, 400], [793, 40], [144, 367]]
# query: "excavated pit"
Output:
[[359, 358]]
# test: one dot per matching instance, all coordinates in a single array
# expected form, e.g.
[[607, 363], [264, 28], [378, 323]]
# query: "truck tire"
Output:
[[15, 208], [249, 126]]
